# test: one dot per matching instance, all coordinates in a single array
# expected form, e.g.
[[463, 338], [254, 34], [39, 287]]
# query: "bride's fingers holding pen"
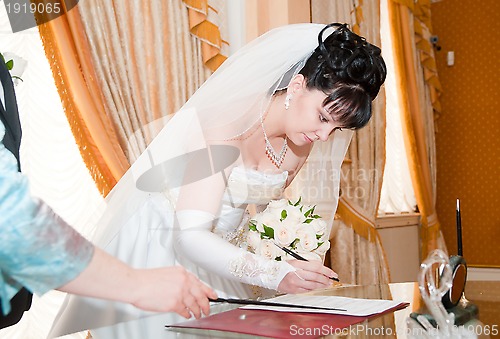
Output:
[[314, 266], [301, 281], [311, 280]]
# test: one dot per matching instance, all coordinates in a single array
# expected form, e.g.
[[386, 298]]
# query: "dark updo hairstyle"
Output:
[[350, 71]]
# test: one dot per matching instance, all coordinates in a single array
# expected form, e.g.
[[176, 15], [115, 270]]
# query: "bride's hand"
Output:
[[310, 275]]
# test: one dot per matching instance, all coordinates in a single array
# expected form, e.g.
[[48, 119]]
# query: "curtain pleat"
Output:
[[415, 123]]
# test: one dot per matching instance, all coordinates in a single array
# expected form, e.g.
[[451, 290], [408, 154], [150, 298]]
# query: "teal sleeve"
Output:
[[38, 250]]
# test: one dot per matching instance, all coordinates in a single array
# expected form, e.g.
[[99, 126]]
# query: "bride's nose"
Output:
[[323, 133]]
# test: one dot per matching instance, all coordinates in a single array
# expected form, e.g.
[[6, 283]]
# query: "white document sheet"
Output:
[[349, 306]]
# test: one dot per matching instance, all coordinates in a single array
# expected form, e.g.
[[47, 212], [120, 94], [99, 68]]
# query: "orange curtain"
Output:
[[122, 68], [413, 120], [66, 49]]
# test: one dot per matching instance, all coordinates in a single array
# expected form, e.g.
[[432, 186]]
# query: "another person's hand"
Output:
[[172, 289], [310, 275], [166, 289]]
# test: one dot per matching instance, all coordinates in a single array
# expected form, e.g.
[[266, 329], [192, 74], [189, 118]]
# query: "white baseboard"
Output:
[[484, 274]]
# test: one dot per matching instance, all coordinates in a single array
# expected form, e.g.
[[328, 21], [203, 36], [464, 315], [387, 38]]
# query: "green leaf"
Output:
[[9, 64], [252, 226], [284, 214], [308, 221], [310, 212], [268, 231], [298, 202]]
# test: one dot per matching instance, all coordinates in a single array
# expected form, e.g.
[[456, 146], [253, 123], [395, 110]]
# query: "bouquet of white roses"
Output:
[[284, 224]]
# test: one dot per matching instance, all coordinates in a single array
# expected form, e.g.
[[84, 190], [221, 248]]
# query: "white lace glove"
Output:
[[196, 242]]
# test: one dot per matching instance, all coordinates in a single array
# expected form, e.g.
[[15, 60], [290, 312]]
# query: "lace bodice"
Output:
[[254, 187], [246, 186]]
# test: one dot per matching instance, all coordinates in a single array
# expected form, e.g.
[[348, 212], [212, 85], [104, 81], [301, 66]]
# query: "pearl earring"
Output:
[[287, 101]]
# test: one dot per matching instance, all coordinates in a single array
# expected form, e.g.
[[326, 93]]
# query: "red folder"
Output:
[[280, 325]]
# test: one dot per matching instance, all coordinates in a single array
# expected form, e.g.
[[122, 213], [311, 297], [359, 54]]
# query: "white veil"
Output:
[[224, 107]]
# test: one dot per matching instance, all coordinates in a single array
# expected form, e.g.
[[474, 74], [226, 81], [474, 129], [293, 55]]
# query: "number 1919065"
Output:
[[40, 8]]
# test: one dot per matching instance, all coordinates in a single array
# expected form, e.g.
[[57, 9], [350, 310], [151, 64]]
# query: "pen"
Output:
[[459, 229], [299, 257], [268, 303]]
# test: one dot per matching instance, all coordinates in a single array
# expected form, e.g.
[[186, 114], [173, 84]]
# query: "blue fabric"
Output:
[[38, 249]]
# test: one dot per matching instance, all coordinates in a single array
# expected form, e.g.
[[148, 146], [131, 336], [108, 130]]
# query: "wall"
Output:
[[263, 15], [468, 139]]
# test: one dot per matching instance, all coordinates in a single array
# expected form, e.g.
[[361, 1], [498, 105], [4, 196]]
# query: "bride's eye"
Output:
[[322, 118]]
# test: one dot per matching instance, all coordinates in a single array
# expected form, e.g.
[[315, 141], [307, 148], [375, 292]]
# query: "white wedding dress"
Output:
[[145, 226], [148, 240]]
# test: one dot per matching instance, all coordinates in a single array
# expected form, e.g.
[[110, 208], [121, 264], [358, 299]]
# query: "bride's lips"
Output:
[[308, 139]]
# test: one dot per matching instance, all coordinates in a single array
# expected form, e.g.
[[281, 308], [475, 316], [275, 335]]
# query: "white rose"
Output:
[[323, 248], [274, 224], [307, 240], [268, 249], [253, 240], [291, 226], [294, 214], [318, 225], [263, 218], [283, 235], [275, 207]]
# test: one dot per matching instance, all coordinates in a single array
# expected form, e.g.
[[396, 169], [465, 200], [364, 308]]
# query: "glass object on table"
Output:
[[435, 279]]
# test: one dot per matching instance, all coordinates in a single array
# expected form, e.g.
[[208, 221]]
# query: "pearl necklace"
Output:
[[276, 159]]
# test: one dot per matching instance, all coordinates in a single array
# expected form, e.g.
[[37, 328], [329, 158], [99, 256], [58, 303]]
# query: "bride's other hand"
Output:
[[173, 289], [310, 275]]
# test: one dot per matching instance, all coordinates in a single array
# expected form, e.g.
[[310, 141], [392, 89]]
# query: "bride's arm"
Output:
[[197, 208]]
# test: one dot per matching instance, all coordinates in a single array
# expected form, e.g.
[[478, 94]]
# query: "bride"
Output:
[[240, 140]]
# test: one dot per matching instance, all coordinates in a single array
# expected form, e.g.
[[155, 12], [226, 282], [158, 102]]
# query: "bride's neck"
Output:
[[274, 117]]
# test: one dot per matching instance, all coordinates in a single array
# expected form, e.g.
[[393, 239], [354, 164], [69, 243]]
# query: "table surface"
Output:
[[484, 294]]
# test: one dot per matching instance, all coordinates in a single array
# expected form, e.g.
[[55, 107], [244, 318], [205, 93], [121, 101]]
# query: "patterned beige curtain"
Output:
[[146, 62], [356, 252], [419, 90], [121, 67]]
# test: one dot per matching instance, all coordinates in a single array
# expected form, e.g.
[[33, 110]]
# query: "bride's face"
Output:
[[307, 120]]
